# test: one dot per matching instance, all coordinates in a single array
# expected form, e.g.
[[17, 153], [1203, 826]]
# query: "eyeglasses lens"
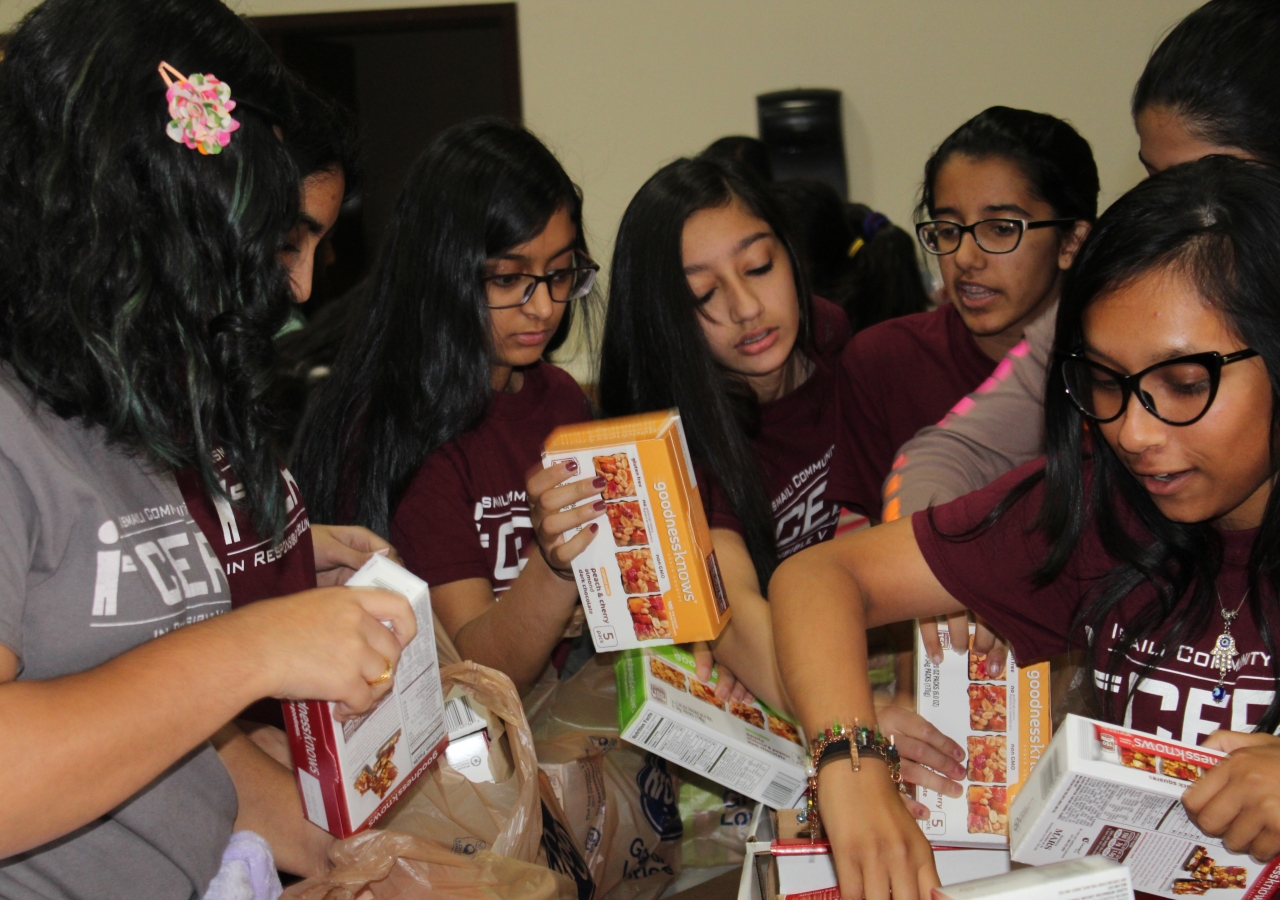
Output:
[[998, 235], [1177, 393], [572, 283]]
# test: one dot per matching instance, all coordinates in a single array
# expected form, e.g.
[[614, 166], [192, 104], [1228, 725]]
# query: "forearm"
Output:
[[819, 632], [75, 747], [746, 647], [517, 634], [270, 805]]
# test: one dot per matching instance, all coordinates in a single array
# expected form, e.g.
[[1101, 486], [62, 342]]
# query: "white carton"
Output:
[[1102, 790], [1004, 725], [1092, 878], [350, 773], [749, 747]]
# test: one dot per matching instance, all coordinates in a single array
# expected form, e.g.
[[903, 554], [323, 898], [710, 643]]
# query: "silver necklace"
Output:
[[1224, 647]]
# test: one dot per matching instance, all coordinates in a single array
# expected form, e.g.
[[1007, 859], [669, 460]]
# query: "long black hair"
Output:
[[1216, 70], [414, 372], [1215, 222], [654, 354], [1056, 161], [139, 280], [854, 257]]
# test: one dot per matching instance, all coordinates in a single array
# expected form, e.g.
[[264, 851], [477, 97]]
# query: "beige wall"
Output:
[[617, 87]]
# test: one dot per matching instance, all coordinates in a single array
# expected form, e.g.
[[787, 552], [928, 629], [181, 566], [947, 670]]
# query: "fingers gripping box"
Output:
[[649, 577], [350, 773], [1102, 790], [749, 747], [1004, 726]]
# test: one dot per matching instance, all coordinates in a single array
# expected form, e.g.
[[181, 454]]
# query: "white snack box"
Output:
[[749, 747], [792, 867], [1091, 878], [1004, 719], [351, 773], [1103, 790]]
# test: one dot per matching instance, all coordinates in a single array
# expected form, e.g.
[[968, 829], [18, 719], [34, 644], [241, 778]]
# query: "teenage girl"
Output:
[[140, 286], [1007, 197], [1139, 550], [709, 312], [438, 405], [1210, 87]]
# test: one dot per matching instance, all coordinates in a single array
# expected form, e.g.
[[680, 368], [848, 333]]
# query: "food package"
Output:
[[749, 747], [649, 576], [1091, 878], [499, 838], [787, 867], [1004, 726], [1102, 790], [350, 773]]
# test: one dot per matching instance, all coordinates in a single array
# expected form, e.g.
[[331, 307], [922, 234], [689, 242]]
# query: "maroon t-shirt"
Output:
[[465, 514], [795, 448], [897, 377], [256, 568], [992, 575]]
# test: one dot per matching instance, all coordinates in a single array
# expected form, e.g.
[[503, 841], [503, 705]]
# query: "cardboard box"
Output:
[[748, 747], [1102, 790], [350, 773], [650, 576], [795, 867], [1092, 878], [1003, 723]]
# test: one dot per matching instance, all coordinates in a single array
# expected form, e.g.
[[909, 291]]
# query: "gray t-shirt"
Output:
[[97, 556]]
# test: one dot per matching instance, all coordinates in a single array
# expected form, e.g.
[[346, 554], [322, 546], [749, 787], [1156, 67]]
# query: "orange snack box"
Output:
[[650, 576]]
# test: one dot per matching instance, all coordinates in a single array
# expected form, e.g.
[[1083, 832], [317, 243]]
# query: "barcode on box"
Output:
[[781, 790], [459, 718]]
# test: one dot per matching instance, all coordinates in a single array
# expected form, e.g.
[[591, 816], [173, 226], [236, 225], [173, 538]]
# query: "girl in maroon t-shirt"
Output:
[[437, 407], [706, 314], [1149, 547], [1023, 187]]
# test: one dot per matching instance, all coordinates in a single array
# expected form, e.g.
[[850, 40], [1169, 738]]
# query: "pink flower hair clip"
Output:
[[199, 110]]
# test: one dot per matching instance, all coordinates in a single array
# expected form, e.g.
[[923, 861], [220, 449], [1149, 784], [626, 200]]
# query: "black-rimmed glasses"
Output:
[[572, 282], [942, 238], [1177, 391]]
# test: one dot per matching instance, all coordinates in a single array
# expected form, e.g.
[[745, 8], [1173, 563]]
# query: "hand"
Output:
[[728, 687], [342, 549], [929, 758], [327, 644], [875, 844], [984, 641], [548, 497], [1239, 798]]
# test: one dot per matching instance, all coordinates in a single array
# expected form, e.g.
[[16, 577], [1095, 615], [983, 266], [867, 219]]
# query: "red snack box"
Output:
[[350, 773]]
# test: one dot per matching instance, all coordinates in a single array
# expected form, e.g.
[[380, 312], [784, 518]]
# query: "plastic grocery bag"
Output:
[[716, 820], [619, 800], [503, 840]]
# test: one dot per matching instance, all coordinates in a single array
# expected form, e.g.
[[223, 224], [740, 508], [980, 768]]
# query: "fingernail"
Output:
[[994, 669], [385, 551], [598, 483], [955, 790], [958, 753], [598, 506], [595, 526], [936, 659], [571, 465]]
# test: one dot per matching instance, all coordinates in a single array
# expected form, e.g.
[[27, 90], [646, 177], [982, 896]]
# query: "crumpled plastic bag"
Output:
[[619, 800], [505, 840]]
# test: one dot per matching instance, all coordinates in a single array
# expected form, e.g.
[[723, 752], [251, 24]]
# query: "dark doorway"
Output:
[[407, 74]]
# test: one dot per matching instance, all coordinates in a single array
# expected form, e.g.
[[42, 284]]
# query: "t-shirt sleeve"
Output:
[[999, 427], [864, 450], [434, 527], [990, 569], [17, 509], [715, 503]]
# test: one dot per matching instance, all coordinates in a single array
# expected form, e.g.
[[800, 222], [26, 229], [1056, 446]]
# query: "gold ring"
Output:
[[385, 676]]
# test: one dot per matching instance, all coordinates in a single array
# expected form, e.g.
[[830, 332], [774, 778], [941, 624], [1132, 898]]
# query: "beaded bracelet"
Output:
[[856, 741]]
